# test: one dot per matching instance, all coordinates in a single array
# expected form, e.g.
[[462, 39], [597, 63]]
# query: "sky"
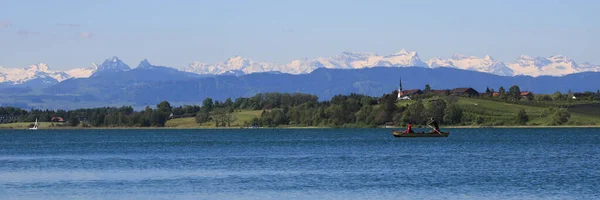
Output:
[[68, 34]]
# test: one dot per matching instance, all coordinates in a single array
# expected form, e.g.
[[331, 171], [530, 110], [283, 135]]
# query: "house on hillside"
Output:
[[440, 92], [526, 95], [401, 93], [57, 119], [412, 92], [470, 92]]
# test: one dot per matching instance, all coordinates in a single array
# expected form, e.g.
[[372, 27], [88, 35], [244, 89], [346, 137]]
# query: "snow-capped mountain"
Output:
[[586, 66], [486, 64], [82, 72], [346, 60], [113, 64], [22, 75], [556, 65], [233, 65]]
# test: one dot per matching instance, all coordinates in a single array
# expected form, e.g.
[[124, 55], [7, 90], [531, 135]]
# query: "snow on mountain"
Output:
[[235, 64], [486, 64], [82, 72], [405, 59], [346, 60], [303, 66], [586, 66], [349, 60], [556, 65], [21, 75], [438, 62]]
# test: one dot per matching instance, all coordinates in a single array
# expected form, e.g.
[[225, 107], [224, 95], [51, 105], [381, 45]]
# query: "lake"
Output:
[[535, 163]]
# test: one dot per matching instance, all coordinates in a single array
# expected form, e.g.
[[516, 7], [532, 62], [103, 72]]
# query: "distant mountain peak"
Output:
[[113, 64], [555, 65], [458, 56], [525, 57], [40, 67], [402, 52], [144, 64]]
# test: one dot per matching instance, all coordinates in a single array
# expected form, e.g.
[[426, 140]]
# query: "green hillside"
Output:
[[24, 125], [240, 117], [495, 113]]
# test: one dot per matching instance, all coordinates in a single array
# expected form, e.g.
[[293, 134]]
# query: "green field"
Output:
[[240, 116], [25, 125], [500, 113]]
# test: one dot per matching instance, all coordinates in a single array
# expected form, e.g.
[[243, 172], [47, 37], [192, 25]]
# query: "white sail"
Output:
[[35, 126]]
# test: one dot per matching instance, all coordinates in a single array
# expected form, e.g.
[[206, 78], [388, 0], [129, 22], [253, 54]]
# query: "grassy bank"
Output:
[[240, 117], [500, 114]]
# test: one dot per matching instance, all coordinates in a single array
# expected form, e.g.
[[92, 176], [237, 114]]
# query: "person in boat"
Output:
[[409, 129], [435, 124]]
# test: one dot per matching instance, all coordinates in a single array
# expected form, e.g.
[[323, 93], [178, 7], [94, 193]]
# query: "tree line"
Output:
[[297, 109]]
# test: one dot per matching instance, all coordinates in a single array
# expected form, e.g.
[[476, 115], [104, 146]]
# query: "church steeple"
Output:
[[400, 86], [400, 89]]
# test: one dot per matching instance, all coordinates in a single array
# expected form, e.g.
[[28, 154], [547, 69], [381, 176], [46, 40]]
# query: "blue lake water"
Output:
[[299, 164]]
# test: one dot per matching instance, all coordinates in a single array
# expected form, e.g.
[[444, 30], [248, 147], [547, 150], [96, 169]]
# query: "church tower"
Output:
[[400, 89]]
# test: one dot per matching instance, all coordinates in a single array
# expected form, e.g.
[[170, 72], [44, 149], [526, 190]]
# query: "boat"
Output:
[[420, 134], [35, 126]]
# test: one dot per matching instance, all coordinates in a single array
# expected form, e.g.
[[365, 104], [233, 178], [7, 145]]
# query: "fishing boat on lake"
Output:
[[420, 134]]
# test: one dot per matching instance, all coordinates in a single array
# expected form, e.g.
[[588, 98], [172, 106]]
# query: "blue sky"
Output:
[[70, 34]]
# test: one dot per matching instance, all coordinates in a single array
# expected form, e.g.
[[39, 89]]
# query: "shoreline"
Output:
[[245, 128]]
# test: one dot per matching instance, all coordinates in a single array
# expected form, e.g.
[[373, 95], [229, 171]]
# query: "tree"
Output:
[[74, 121], [488, 92], [436, 110], [336, 114], [202, 116], [561, 116], [389, 103], [164, 106], [521, 117], [557, 96], [514, 93], [415, 112], [163, 111], [501, 93], [542, 97], [230, 117], [362, 116], [453, 114], [427, 89], [220, 116], [207, 104], [228, 103]]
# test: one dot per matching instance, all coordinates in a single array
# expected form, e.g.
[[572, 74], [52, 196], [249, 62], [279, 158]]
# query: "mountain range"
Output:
[[557, 65], [147, 85]]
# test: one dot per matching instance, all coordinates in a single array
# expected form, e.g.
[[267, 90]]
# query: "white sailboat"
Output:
[[35, 126]]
